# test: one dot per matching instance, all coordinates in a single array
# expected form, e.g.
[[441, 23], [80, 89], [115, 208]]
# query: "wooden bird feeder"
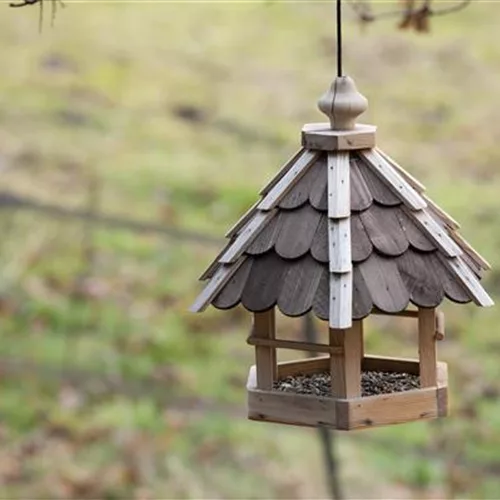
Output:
[[342, 230]]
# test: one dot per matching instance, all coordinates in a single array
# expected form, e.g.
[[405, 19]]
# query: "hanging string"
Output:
[[339, 38]]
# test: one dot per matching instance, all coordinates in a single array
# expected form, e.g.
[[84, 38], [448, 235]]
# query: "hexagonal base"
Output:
[[348, 414]]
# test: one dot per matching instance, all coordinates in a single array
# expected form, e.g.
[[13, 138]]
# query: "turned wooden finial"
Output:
[[342, 103]]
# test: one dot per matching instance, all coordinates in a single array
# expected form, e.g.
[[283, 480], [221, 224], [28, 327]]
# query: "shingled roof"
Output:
[[300, 249], [343, 230]]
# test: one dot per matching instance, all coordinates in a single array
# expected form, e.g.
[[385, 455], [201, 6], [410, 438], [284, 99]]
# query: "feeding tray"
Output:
[[353, 413], [344, 232]]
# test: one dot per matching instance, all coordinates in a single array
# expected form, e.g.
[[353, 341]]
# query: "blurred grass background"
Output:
[[176, 114]]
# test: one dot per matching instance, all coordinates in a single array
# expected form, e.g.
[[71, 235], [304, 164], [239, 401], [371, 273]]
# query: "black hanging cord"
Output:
[[339, 38]]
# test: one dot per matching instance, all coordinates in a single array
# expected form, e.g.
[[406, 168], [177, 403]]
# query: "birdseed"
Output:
[[372, 383]]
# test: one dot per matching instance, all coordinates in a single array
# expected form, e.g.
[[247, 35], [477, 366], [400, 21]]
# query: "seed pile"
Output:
[[372, 383]]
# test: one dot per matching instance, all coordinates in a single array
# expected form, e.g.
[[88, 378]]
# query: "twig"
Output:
[[326, 436], [13, 201]]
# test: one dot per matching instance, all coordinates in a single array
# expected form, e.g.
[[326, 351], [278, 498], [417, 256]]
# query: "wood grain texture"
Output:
[[300, 192], [264, 283], [384, 230], [319, 245], [435, 232], [266, 238], [414, 183], [287, 182], [479, 260], [339, 243], [427, 347], [282, 171], [339, 185], [440, 326], [384, 283], [361, 246], [299, 286], [439, 214], [345, 370], [421, 278], [318, 196], [246, 236], [340, 300], [303, 366], [230, 294], [394, 180], [223, 274], [321, 136], [414, 234], [242, 221], [362, 303], [264, 327], [442, 401], [298, 228], [395, 408], [378, 190], [361, 197], [321, 304], [470, 282]]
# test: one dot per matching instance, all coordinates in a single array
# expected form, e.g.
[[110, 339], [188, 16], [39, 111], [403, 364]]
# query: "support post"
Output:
[[345, 369], [264, 326], [427, 347]]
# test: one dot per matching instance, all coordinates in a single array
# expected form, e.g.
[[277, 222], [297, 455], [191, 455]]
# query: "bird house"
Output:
[[345, 232]]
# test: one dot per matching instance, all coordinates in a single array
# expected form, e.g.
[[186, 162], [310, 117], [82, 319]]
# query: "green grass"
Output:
[[137, 398]]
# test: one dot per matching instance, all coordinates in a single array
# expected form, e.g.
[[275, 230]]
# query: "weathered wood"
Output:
[[321, 304], [339, 185], [230, 294], [362, 303], [440, 325], [282, 171], [361, 198], [266, 239], [301, 190], [321, 136], [264, 327], [384, 230], [294, 345], [414, 234], [286, 183], [442, 401], [361, 246], [378, 189], [241, 223], [346, 369], [445, 217], [427, 347], [384, 283], [263, 285], [414, 183], [318, 197], [395, 408], [298, 228], [319, 245], [340, 300], [339, 243], [435, 232], [299, 286], [480, 261], [223, 274], [469, 281], [421, 277], [394, 180], [247, 235]]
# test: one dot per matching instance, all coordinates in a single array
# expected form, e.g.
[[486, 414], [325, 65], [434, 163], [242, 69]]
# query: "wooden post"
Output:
[[264, 326], [345, 369], [427, 347]]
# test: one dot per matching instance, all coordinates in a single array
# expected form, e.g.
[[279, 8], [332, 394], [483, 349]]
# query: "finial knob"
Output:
[[342, 103]]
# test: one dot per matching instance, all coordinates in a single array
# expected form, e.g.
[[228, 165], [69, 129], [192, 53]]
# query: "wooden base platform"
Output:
[[348, 414]]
